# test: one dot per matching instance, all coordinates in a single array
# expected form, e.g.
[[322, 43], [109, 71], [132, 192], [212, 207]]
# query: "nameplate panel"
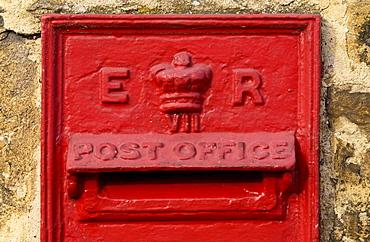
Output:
[[208, 151]]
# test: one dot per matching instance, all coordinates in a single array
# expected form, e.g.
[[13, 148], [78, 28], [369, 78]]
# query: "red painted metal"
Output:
[[180, 127], [229, 151]]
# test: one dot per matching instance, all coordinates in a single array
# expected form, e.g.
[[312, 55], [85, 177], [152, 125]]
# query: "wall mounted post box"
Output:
[[180, 127]]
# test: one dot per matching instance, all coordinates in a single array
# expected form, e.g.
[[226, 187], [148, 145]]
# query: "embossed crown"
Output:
[[181, 84]]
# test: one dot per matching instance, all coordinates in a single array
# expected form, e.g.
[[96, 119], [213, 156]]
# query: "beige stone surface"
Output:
[[19, 142], [345, 120]]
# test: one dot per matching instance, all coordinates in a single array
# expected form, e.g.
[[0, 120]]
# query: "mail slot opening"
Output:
[[180, 184], [183, 195]]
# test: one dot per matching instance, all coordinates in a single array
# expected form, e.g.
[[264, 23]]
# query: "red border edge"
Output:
[[50, 224]]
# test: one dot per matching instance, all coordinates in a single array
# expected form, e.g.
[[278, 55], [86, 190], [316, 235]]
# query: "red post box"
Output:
[[180, 127]]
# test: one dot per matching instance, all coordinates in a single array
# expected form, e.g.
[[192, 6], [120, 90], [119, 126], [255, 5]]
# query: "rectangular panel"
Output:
[[251, 151], [180, 126]]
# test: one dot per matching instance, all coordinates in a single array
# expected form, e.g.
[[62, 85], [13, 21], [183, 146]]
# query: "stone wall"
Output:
[[345, 99]]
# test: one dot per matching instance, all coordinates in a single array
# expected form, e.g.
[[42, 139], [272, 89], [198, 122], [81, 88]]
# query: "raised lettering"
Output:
[[206, 149], [112, 88], [105, 151], [256, 150], [174, 122], [241, 150], [195, 120], [247, 82], [130, 151], [81, 148], [184, 151], [186, 122], [225, 148], [280, 150], [152, 149]]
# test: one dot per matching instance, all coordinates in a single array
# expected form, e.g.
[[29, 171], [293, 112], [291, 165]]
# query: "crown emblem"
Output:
[[181, 84]]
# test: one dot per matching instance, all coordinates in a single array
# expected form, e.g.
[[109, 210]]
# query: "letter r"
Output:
[[247, 82]]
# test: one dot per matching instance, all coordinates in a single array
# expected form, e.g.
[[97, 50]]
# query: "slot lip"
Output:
[[269, 201]]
